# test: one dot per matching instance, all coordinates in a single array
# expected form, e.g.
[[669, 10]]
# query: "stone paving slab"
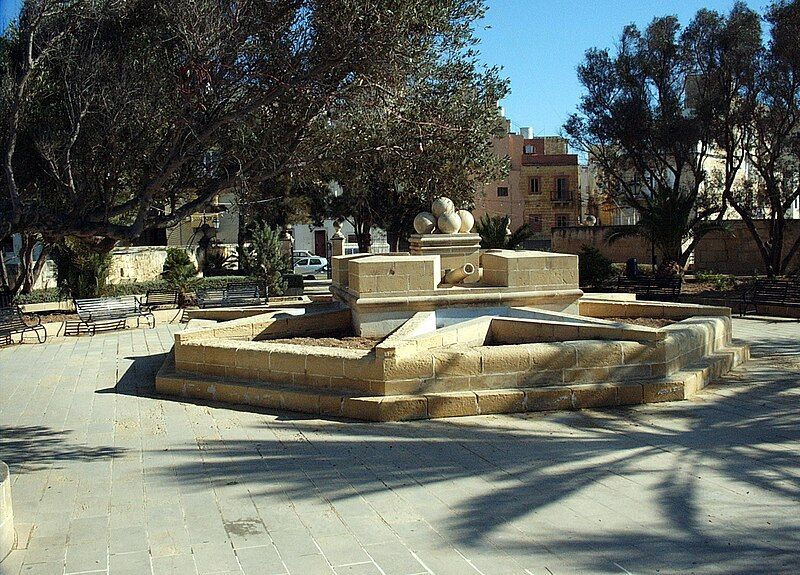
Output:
[[109, 478]]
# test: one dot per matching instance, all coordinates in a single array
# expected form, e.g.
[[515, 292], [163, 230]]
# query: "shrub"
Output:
[[179, 272], [81, 268], [217, 264], [263, 259], [594, 269]]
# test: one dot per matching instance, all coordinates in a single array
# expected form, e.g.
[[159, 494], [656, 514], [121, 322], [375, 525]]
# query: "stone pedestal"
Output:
[[7, 536], [454, 250], [337, 246]]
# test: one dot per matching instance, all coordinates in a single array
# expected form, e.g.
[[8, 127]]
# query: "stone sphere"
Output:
[[467, 221], [442, 206], [424, 223], [449, 223]]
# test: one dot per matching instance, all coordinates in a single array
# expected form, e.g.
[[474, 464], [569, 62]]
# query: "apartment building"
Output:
[[542, 187]]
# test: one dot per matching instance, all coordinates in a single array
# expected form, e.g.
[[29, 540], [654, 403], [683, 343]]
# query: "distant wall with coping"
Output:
[[571, 239], [7, 536], [735, 251], [729, 252]]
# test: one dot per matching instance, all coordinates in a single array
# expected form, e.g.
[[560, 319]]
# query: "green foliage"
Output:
[[262, 258], [81, 268], [493, 231], [720, 281], [218, 264], [179, 271], [594, 268]]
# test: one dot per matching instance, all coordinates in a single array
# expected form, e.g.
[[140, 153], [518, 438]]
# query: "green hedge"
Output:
[[51, 294]]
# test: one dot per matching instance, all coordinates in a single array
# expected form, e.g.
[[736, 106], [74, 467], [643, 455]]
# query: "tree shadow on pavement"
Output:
[[713, 482], [28, 448]]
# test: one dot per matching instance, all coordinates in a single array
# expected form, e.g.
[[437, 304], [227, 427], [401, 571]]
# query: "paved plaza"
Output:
[[109, 478]]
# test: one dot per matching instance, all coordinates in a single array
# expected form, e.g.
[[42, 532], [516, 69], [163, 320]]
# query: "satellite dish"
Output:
[[590, 220]]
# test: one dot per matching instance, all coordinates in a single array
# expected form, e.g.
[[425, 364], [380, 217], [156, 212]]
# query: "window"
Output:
[[352, 239], [302, 262], [562, 220], [535, 189], [315, 262], [529, 149], [535, 222], [502, 191], [562, 189]]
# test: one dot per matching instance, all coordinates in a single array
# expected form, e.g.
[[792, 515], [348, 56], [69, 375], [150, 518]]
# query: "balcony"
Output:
[[561, 196]]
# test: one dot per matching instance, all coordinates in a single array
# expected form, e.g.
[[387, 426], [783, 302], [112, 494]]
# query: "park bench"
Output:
[[13, 322], [107, 313], [778, 292], [157, 297], [233, 294], [651, 288]]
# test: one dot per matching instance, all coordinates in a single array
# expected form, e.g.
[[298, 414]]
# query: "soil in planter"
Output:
[[643, 321], [343, 339]]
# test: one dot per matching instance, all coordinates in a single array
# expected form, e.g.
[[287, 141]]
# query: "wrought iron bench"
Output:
[[651, 288], [233, 294], [107, 313], [6, 299], [157, 297], [782, 292], [13, 322]]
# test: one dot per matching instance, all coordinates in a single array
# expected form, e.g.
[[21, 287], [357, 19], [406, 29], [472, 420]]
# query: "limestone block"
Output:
[[330, 405], [287, 361], [325, 364], [500, 401], [594, 395], [416, 366], [587, 374], [552, 356], [548, 399], [544, 377], [454, 361], [657, 391], [630, 394], [598, 353], [505, 359], [452, 404], [252, 357], [300, 401], [395, 408]]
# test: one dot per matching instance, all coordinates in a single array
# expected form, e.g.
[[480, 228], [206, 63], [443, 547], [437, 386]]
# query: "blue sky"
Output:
[[539, 43]]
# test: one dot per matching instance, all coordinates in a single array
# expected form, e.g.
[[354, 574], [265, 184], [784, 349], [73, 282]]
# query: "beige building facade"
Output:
[[542, 188]]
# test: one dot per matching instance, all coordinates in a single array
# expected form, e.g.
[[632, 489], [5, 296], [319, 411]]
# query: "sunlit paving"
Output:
[[409, 287]]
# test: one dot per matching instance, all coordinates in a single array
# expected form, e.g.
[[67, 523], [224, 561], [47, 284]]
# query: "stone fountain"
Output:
[[461, 331]]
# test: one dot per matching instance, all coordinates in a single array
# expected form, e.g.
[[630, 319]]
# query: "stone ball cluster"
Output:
[[444, 218]]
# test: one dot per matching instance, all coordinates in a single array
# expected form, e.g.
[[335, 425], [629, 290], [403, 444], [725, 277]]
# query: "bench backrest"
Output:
[[161, 297], [107, 307], [11, 319], [774, 290], [6, 299], [242, 290]]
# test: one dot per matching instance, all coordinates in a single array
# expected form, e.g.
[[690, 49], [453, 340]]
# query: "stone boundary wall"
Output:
[[570, 240], [732, 252], [7, 534], [736, 252]]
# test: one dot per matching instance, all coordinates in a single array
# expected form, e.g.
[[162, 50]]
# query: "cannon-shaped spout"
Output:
[[458, 275]]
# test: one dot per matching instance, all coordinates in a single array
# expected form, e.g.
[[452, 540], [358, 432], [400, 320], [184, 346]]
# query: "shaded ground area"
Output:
[[111, 479]]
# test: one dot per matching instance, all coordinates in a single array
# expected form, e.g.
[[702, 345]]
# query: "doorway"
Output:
[[320, 242]]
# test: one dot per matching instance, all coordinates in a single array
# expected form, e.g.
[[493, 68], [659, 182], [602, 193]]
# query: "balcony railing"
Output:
[[564, 196]]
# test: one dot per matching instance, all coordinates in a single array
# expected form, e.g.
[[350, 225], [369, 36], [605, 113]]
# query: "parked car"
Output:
[[311, 267]]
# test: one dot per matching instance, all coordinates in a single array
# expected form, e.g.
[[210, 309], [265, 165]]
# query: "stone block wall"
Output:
[[570, 241], [736, 252], [530, 269]]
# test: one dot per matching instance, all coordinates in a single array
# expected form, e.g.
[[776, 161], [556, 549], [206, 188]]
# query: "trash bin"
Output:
[[632, 268]]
